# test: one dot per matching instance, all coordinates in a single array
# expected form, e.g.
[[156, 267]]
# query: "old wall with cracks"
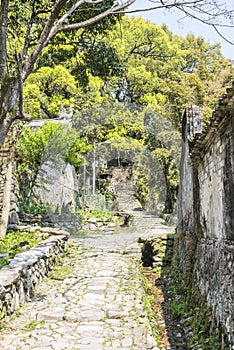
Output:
[[205, 231]]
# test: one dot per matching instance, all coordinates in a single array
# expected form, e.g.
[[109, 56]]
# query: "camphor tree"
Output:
[[26, 28]]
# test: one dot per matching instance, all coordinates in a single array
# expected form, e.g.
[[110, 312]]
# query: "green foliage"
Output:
[[132, 133], [187, 304], [31, 147], [148, 303], [179, 308], [30, 204], [119, 75], [49, 144], [33, 325], [97, 58], [120, 59], [134, 62], [165, 71], [76, 153], [60, 271], [163, 140], [141, 186], [27, 19], [110, 115], [171, 176], [47, 90], [98, 214]]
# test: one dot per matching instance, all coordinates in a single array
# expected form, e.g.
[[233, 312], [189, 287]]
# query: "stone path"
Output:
[[98, 305]]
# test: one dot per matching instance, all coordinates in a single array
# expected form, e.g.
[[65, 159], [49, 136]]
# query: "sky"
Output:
[[173, 20]]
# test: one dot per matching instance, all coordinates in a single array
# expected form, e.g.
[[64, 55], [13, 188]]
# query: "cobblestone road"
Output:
[[99, 303]]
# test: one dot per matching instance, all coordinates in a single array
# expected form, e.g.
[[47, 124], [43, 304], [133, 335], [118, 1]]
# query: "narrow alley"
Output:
[[94, 300]]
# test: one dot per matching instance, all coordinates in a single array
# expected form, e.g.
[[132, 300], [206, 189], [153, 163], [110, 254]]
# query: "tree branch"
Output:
[[20, 88], [51, 29], [200, 10], [222, 36], [44, 38], [75, 6], [28, 31], [165, 6], [208, 23], [69, 12], [69, 27]]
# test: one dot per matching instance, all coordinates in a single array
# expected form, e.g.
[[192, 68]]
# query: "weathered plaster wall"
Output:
[[58, 187], [213, 156], [208, 261]]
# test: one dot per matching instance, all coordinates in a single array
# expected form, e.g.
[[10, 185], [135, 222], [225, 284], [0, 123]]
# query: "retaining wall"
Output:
[[25, 271]]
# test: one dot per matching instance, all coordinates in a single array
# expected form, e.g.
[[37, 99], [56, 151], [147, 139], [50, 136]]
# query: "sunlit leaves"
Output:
[[48, 90]]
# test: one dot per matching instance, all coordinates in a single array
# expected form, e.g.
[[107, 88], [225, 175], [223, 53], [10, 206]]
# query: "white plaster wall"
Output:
[[210, 173]]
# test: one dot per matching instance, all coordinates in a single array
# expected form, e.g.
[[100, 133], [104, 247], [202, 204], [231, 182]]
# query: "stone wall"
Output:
[[19, 279], [157, 251], [205, 232], [213, 274]]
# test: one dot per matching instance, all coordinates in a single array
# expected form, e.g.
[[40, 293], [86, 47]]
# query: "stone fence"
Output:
[[26, 270], [213, 273], [205, 232]]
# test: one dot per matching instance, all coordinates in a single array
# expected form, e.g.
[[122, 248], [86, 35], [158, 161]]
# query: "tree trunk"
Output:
[[170, 192], [6, 200], [9, 95], [8, 106]]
